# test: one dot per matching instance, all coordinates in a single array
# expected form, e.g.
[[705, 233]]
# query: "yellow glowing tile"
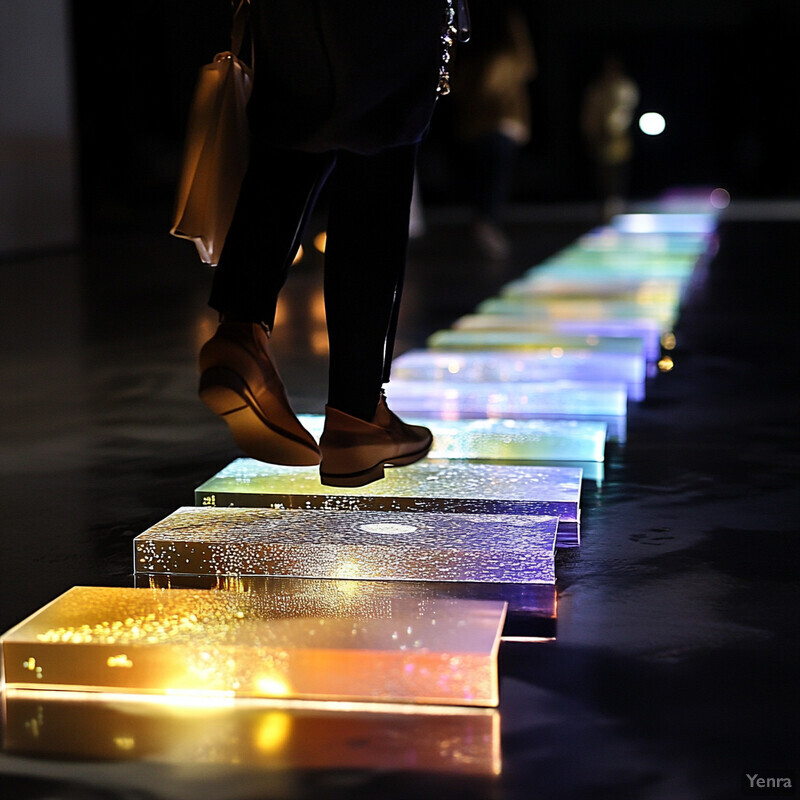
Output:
[[228, 644], [275, 735]]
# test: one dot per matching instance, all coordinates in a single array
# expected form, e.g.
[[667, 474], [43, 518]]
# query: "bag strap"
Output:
[[241, 17]]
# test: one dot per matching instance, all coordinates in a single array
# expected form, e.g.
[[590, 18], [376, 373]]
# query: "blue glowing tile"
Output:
[[531, 614], [608, 238], [648, 330], [263, 734], [358, 545], [429, 486], [505, 439], [563, 399], [223, 644], [523, 366]]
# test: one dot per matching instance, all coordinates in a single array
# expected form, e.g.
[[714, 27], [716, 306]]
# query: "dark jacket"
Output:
[[358, 75]]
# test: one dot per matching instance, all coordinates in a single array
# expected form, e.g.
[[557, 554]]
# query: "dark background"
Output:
[[722, 72]]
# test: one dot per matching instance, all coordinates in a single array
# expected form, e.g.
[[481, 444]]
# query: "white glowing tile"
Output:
[[522, 367], [648, 330], [505, 439], [259, 734], [504, 398], [531, 610], [536, 309], [665, 223], [429, 486], [228, 644], [359, 545]]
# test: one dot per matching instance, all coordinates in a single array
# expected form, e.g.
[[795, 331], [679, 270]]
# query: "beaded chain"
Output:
[[448, 40]]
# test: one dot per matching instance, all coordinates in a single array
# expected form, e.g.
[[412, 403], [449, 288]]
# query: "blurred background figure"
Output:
[[492, 115], [606, 117]]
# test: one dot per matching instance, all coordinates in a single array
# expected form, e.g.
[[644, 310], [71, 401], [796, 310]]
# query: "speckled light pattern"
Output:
[[361, 545], [505, 439], [458, 741], [506, 400], [440, 650], [505, 364]]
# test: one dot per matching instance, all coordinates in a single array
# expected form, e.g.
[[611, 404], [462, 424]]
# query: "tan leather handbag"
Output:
[[217, 148]]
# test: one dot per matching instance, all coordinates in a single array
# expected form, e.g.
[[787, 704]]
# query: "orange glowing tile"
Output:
[[229, 644]]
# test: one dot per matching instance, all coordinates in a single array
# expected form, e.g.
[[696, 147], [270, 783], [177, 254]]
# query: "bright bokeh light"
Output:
[[720, 198], [652, 123]]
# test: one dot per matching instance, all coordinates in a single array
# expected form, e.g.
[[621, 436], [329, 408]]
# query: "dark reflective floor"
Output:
[[674, 669]]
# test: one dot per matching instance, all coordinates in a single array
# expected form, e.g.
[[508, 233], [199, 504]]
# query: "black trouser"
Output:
[[367, 241]]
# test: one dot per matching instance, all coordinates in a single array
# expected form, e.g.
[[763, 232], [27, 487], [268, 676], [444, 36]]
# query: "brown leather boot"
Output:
[[239, 382], [355, 452]]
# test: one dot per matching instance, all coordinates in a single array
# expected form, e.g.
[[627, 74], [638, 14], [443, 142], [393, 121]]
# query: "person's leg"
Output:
[[276, 201], [238, 378], [365, 257], [364, 268]]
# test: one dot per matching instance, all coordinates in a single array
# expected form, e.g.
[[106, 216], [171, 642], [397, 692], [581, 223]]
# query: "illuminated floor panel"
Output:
[[363, 545], [272, 735], [665, 223], [648, 330], [608, 238], [429, 486], [521, 367], [584, 310], [547, 344], [184, 642], [544, 287], [506, 439], [594, 267], [531, 613], [504, 400]]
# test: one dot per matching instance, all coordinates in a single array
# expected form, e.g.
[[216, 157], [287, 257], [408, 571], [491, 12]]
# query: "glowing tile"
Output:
[[648, 330], [610, 239], [362, 545], [429, 486], [228, 644], [83, 726], [506, 439], [665, 223], [610, 289], [536, 309], [547, 344], [523, 367], [505, 400], [531, 610]]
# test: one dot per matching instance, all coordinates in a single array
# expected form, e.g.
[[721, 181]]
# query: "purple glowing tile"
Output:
[[234, 644], [461, 487], [504, 399], [358, 545], [520, 366]]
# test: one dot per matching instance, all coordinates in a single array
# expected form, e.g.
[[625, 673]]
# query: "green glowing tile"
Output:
[[547, 288], [267, 735], [361, 545], [430, 486], [534, 308], [506, 439], [191, 642]]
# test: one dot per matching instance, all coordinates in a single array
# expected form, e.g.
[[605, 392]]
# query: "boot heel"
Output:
[[354, 479], [222, 391]]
